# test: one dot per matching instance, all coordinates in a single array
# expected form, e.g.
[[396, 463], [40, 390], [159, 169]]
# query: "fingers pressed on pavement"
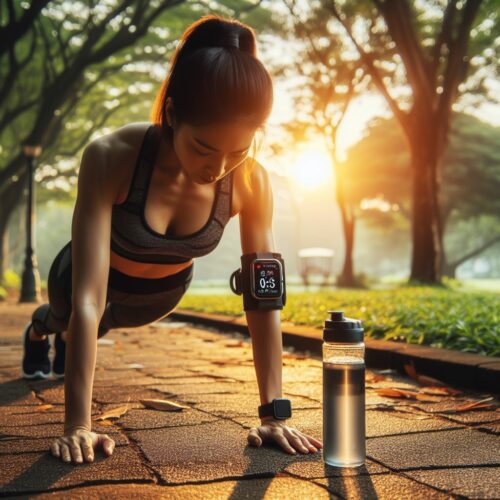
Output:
[[76, 452], [314, 441], [88, 451], [109, 445], [54, 447], [66, 456], [283, 442], [305, 441], [297, 442], [253, 437]]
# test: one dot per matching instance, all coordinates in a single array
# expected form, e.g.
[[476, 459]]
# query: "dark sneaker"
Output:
[[36, 362], [59, 357]]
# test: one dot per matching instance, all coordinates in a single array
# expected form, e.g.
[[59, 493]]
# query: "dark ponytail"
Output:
[[215, 76]]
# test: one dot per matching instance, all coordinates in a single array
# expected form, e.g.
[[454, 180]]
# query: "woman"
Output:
[[151, 198]]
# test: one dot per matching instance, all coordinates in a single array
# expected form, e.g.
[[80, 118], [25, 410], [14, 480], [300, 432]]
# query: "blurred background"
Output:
[[383, 145]]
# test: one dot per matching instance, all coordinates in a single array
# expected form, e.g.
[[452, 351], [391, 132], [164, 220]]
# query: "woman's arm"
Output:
[[90, 234], [264, 326]]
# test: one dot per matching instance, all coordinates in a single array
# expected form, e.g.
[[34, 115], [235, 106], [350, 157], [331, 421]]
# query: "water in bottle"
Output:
[[343, 392]]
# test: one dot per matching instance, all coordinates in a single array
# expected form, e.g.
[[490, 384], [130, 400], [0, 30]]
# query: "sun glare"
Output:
[[312, 169]]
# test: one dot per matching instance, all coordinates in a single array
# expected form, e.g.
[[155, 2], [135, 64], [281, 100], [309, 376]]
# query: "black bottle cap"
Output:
[[341, 329]]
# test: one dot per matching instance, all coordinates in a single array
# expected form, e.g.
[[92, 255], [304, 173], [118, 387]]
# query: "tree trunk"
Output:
[[426, 134], [449, 268], [426, 237], [8, 203], [346, 277]]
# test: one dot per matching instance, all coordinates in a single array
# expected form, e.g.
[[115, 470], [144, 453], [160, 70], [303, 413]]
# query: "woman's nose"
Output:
[[216, 170]]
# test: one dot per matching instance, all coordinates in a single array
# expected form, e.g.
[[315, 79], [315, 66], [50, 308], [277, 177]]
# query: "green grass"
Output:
[[440, 317]]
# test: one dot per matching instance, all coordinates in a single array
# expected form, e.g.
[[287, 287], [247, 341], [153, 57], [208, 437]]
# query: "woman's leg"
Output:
[[54, 316], [127, 310]]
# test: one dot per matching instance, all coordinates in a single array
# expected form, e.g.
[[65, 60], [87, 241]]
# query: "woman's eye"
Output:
[[200, 153]]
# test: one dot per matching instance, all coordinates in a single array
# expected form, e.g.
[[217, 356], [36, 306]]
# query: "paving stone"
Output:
[[493, 427], [214, 387], [172, 372], [445, 448], [116, 377], [123, 394], [148, 418], [319, 469], [15, 416], [217, 450], [195, 380], [104, 394], [241, 373], [379, 486], [378, 423], [471, 482], [26, 445], [276, 487], [51, 430], [17, 392], [229, 405], [466, 417], [38, 472]]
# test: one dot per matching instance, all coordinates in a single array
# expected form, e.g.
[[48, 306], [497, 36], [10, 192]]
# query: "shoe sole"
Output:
[[38, 373]]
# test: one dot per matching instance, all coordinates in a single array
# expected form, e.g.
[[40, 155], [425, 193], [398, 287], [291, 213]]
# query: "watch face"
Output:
[[267, 278], [282, 408]]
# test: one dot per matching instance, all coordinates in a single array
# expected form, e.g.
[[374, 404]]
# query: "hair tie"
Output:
[[230, 40]]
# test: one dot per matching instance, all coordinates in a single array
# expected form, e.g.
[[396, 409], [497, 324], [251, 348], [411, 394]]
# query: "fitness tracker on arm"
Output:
[[261, 280]]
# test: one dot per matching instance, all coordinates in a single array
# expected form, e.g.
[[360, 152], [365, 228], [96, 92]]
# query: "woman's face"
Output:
[[209, 152]]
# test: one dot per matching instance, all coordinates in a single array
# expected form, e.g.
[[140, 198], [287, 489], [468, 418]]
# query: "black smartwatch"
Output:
[[279, 408]]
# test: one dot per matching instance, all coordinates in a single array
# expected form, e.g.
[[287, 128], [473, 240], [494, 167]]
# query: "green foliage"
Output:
[[11, 279], [439, 317]]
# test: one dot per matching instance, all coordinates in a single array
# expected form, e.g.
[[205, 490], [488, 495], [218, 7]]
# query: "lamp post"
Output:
[[30, 287]]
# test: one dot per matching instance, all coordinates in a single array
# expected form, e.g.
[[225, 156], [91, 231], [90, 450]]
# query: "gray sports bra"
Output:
[[132, 238]]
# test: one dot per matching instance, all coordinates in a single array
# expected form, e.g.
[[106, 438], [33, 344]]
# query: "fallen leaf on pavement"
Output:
[[469, 405], [235, 344], [106, 422], [43, 407], [395, 393], [400, 393], [289, 355], [162, 404], [113, 413], [445, 391], [421, 379], [374, 378]]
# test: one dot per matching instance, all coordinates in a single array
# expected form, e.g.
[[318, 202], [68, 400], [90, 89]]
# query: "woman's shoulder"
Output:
[[118, 151], [124, 140], [252, 184]]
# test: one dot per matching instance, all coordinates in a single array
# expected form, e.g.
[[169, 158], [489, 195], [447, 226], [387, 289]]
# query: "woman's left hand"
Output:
[[289, 438]]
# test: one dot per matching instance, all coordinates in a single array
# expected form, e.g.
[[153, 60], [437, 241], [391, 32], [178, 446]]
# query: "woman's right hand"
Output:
[[79, 444]]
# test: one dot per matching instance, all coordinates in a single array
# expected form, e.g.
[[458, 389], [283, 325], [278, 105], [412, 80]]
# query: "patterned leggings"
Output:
[[123, 309]]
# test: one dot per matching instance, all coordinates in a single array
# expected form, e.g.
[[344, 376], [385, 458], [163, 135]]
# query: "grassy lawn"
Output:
[[463, 320]]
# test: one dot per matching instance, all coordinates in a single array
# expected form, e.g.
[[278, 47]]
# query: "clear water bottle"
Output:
[[343, 391]]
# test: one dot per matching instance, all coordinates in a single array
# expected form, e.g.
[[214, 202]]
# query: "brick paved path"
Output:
[[202, 452]]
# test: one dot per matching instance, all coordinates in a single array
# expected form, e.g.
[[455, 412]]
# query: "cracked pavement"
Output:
[[415, 449]]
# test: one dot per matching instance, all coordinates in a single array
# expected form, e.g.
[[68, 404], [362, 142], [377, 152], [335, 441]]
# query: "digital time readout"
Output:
[[267, 279]]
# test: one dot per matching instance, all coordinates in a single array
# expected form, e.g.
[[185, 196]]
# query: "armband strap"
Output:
[[261, 281]]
